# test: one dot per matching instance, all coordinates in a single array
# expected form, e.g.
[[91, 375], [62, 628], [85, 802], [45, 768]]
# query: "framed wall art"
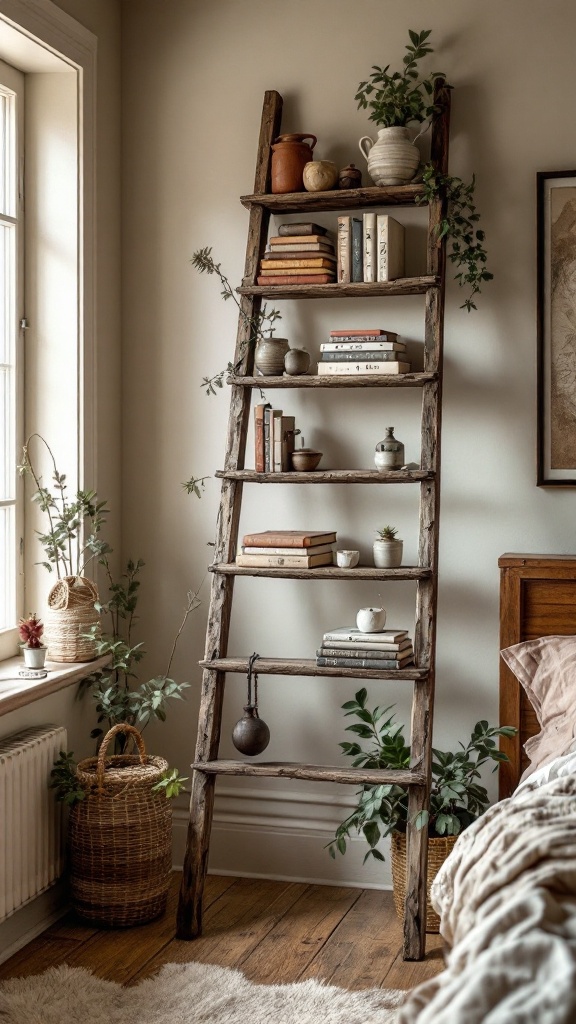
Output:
[[556, 232]]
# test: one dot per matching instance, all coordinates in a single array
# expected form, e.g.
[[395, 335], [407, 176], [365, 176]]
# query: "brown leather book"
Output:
[[311, 262], [298, 228], [298, 279], [287, 539]]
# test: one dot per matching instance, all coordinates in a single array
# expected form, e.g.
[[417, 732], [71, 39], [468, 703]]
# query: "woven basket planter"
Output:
[[438, 849], [71, 613], [120, 837]]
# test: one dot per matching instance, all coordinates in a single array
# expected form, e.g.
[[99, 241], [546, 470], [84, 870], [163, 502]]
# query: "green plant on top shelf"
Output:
[[401, 97], [387, 533], [260, 325]]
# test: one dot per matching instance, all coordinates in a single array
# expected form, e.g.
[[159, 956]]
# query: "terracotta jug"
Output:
[[289, 155]]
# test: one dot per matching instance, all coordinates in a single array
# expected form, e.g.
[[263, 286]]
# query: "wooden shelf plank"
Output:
[[328, 476], [337, 199], [353, 290], [311, 772], [372, 380], [308, 667], [324, 572]]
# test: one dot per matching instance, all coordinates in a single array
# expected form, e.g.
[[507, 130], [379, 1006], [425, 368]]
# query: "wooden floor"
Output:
[[274, 932]]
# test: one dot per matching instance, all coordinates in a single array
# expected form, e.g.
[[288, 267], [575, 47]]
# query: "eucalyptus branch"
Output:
[[193, 602], [256, 325], [193, 485]]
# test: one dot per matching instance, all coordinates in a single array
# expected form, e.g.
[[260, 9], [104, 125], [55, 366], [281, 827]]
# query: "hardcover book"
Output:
[[290, 265], [299, 228], [325, 369], [367, 345], [369, 246], [390, 248], [267, 418], [350, 633], [296, 279], [304, 247], [344, 250], [360, 651], [297, 238], [357, 254], [259, 435], [363, 332], [361, 663], [288, 538], [280, 561], [276, 441], [314, 549], [347, 357]]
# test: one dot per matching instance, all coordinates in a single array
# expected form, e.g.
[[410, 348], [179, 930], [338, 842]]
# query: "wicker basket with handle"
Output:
[[120, 837], [438, 849], [70, 614]]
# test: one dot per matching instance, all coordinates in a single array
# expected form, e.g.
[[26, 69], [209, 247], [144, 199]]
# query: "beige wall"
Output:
[[194, 75]]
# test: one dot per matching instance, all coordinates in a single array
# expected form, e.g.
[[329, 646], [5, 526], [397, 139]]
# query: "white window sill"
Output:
[[16, 692]]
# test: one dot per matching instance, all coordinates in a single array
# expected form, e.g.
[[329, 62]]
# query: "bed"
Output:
[[507, 893]]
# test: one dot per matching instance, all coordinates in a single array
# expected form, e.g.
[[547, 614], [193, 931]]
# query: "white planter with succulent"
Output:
[[388, 549]]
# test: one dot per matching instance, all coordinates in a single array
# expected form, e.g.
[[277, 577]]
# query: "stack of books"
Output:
[[369, 350], [298, 254], [274, 435], [292, 548], [347, 647], [370, 249]]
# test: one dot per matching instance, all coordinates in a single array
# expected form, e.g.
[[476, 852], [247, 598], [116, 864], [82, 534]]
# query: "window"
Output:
[[11, 369]]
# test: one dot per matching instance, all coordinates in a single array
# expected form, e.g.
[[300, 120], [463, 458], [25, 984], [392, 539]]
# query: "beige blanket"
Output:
[[507, 899]]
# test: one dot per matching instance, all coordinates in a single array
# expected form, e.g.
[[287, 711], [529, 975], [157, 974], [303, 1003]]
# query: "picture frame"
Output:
[[556, 328]]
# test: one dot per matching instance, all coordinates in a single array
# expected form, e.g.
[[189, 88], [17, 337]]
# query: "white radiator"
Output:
[[31, 834]]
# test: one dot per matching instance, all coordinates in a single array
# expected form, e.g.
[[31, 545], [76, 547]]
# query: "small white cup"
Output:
[[347, 559], [371, 620]]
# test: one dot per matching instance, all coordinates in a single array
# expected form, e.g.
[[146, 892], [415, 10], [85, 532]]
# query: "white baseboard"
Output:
[[29, 922], [283, 836]]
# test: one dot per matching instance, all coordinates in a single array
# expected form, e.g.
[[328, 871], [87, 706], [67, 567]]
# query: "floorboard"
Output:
[[275, 932]]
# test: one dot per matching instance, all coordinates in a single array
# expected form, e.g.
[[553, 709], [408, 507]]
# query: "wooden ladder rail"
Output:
[[189, 918], [427, 590]]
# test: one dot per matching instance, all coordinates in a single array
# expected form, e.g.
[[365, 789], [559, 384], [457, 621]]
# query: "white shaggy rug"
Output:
[[187, 994]]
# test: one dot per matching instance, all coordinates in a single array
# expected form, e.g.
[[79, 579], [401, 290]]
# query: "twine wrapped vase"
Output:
[[438, 849], [120, 837], [71, 613]]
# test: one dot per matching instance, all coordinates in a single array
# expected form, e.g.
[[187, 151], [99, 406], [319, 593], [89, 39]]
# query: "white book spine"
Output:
[[369, 241], [350, 368], [363, 346], [344, 249], [389, 248]]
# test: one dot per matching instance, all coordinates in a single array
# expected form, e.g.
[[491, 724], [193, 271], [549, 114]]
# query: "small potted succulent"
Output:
[[388, 548], [31, 630]]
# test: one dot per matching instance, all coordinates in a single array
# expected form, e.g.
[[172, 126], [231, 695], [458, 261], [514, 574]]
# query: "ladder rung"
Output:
[[401, 286], [329, 476], [373, 380], [324, 572], [312, 772], [340, 199], [308, 667]]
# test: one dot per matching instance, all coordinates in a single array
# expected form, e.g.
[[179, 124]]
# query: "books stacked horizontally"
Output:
[[370, 350], [370, 249], [348, 647], [298, 254], [274, 435], [294, 549]]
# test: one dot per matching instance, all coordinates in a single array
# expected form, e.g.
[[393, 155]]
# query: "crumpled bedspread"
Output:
[[507, 900]]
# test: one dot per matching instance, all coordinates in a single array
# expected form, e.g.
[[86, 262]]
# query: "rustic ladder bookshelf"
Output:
[[216, 663]]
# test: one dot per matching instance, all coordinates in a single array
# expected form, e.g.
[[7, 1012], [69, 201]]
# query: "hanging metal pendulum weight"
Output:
[[251, 735]]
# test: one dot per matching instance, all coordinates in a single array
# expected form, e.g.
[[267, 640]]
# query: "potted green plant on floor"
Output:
[[457, 796]]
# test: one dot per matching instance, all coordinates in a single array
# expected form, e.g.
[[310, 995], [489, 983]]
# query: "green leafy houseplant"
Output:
[[456, 796], [401, 97], [387, 533], [262, 322]]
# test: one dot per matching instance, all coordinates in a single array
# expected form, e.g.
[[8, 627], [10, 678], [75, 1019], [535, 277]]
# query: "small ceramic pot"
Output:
[[34, 657], [305, 459], [350, 177], [269, 356], [389, 452], [371, 620], [388, 553], [347, 559], [319, 175], [296, 361]]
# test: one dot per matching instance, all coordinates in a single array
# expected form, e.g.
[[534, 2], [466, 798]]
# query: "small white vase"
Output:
[[393, 159], [388, 553], [34, 657], [371, 620]]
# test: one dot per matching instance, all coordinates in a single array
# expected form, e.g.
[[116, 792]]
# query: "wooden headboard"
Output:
[[537, 598]]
